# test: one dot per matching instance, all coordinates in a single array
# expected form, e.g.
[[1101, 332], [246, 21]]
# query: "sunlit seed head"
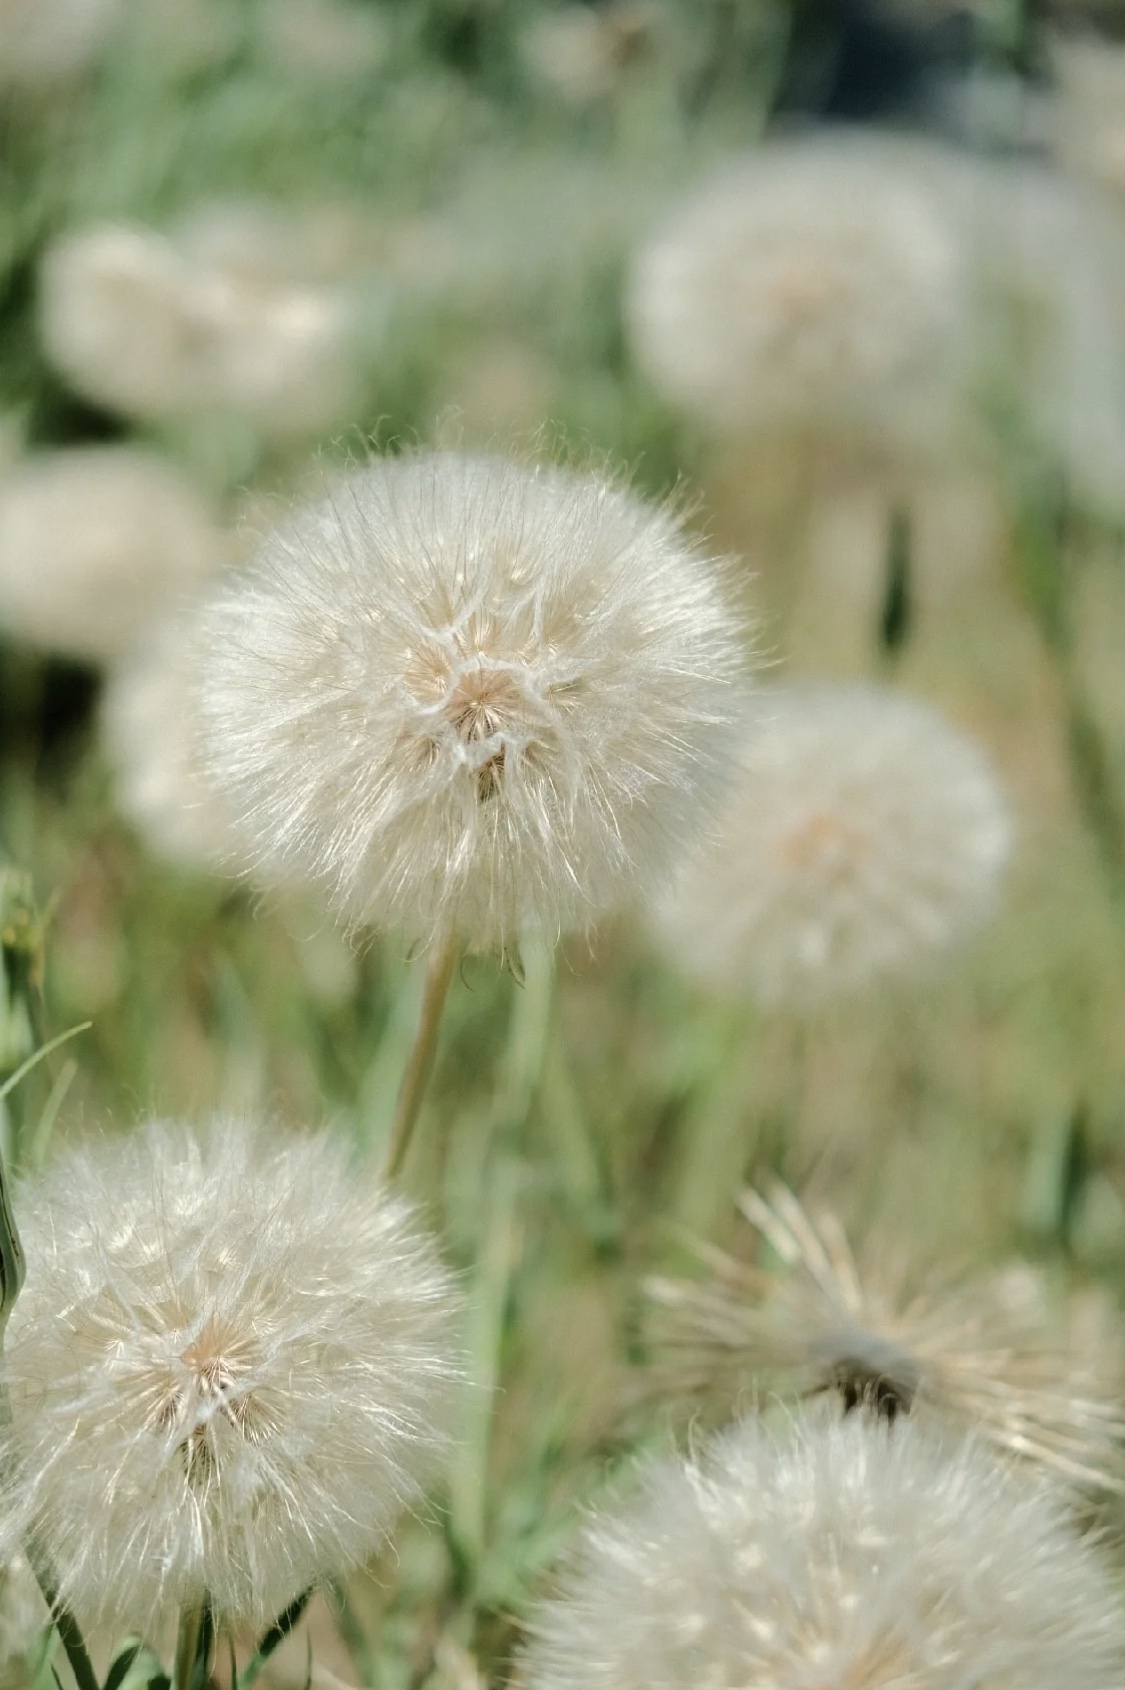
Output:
[[229, 1371], [864, 838], [973, 1356], [464, 694], [831, 1554], [817, 285], [95, 543]]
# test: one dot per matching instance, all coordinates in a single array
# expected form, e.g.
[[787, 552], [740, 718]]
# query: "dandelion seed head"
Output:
[[975, 1357], [467, 695], [828, 1553], [137, 322], [817, 285], [230, 1370], [95, 543], [863, 838]]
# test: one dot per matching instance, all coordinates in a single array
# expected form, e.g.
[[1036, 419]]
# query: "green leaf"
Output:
[[37, 1056], [271, 1640]]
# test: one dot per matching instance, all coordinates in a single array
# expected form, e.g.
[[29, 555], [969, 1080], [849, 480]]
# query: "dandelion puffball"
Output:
[[230, 1369], [137, 323], [864, 836], [95, 541], [471, 697], [817, 285], [833, 1552], [978, 1358]]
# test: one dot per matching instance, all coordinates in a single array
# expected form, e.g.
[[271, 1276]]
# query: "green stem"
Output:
[[420, 1063], [193, 1646], [70, 1636]]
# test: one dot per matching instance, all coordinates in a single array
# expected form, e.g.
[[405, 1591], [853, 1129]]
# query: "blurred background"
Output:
[[846, 278]]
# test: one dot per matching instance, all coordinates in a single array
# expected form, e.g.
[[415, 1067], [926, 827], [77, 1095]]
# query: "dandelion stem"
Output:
[[70, 1636], [193, 1646], [420, 1063]]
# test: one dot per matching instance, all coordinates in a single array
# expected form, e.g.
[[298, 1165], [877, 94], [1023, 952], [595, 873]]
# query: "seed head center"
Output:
[[826, 845]]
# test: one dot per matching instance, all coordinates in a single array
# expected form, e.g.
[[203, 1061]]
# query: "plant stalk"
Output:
[[193, 1646], [420, 1063]]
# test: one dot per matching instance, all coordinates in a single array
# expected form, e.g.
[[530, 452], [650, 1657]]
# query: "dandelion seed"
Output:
[[471, 698], [864, 838], [831, 1553], [822, 286], [229, 1371], [97, 541], [976, 1357], [137, 324]]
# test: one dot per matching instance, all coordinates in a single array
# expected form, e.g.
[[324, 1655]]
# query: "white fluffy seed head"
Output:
[[831, 1553], [817, 285], [97, 541], [470, 696], [230, 1369], [864, 837], [150, 730], [140, 324]]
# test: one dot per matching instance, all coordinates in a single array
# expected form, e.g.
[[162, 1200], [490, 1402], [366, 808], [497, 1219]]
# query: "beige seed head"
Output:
[[974, 1357]]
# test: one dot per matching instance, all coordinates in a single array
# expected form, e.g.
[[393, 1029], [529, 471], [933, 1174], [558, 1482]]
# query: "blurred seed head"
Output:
[[819, 285], [582, 52], [44, 43], [982, 1358], [150, 730], [136, 324], [95, 543], [1057, 329], [325, 41], [1088, 110], [864, 838], [470, 695], [229, 1371], [829, 1553]]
